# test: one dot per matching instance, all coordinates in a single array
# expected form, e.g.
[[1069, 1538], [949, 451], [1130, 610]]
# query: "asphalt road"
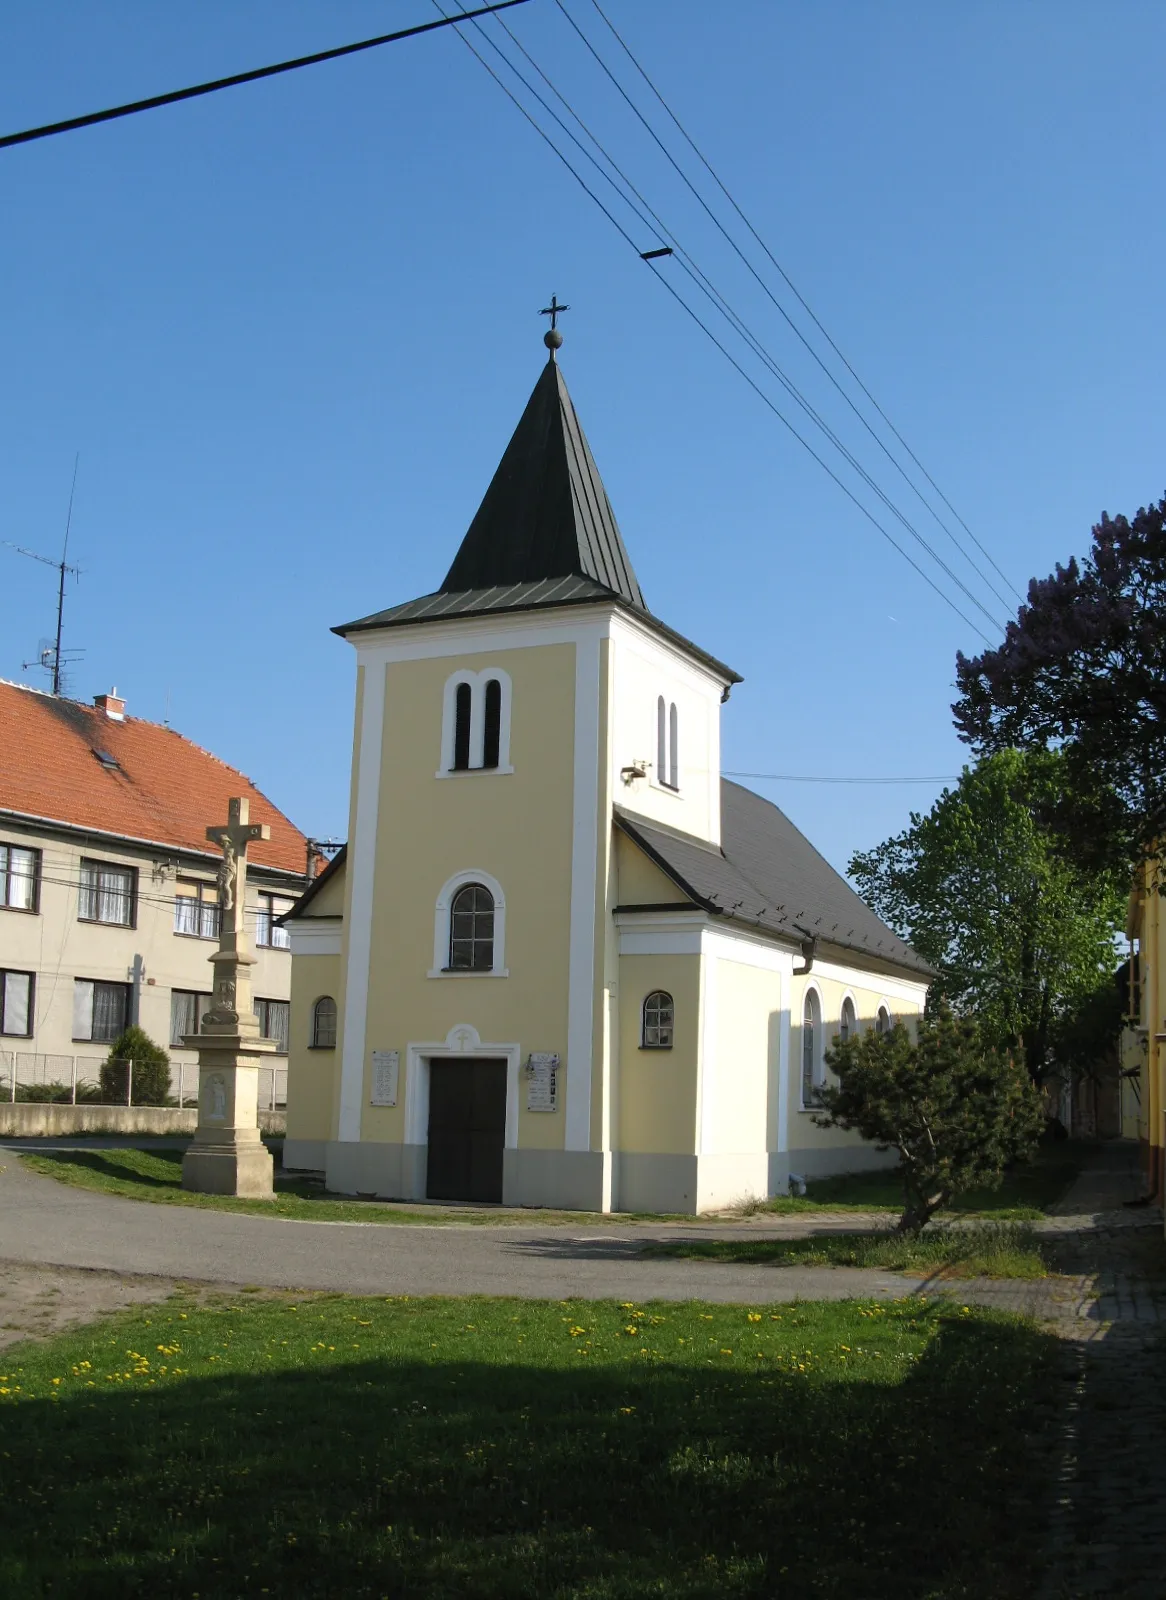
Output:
[[46, 1223]]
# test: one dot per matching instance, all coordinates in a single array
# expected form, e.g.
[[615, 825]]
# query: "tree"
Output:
[[151, 1069], [958, 1110], [1083, 668], [1018, 932]]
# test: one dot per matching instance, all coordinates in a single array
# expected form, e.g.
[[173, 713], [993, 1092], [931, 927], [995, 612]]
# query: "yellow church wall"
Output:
[[745, 1037], [328, 901], [312, 1074], [656, 1108], [640, 880], [517, 830]]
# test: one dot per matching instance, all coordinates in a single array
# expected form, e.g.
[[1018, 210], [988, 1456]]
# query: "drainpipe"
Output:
[[809, 949]]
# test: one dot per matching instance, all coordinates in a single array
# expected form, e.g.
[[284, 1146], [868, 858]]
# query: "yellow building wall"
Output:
[[641, 883], [656, 1107], [516, 827], [313, 1074], [747, 1040]]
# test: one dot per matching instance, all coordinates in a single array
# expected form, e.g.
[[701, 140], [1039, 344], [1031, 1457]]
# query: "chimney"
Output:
[[111, 703]]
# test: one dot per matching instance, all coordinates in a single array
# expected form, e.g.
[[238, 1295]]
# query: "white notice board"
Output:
[[386, 1073], [542, 1082]]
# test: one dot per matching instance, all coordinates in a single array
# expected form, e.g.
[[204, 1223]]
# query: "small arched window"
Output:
[[848, 1021], [471, 930], [673, 750], [667, 744], [883, 1022], [492, 732], [661, 740], [811, 1032], [463, 709], [324, 1023], [659, 1017]]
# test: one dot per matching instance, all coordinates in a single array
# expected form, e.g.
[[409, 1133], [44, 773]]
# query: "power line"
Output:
[[798, 777], [711, 293], [797, 295], [92, 117], [765, 398]]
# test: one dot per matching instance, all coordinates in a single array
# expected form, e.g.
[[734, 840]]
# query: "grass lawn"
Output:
[[332, 1447], [1023, 1196], [987, 1250], [157, 1175]]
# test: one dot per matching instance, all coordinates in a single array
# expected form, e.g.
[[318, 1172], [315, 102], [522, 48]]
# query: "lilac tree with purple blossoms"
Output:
[[1083, 669]]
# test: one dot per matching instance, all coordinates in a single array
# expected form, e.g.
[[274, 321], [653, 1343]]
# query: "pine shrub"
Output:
[[151, 1067]]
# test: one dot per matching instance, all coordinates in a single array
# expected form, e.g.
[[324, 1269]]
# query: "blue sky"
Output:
[[290, 328]]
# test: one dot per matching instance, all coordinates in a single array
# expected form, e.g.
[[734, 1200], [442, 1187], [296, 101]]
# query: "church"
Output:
[[561, 961]]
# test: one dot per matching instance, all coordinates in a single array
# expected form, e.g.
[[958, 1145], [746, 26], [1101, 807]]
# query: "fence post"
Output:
[[129, 1083], [74, 1101], [13, 1095], [182, 1086]]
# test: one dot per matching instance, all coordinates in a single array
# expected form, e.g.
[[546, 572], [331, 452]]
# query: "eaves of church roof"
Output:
[[767, 875]]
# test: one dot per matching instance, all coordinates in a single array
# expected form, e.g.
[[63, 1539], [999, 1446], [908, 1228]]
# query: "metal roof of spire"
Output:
[[546, 513]]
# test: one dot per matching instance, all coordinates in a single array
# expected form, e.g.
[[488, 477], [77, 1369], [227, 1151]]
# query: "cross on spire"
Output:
[[552, 338]]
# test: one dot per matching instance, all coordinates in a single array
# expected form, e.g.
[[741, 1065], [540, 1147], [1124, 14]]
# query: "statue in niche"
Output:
[[217, 1094]]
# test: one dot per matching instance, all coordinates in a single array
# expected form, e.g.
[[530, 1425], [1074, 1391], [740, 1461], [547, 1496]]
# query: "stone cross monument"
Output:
[[227, 1155]]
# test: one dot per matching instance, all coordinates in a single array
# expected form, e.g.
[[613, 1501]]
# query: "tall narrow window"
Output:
[[100, 1010], [848, 1022], [273, 1022], [883, 1021], [186, 1012], [16, 989], [19, 874], [471, 930], [493, 728], [659, 1020], [661, 741], [267, 930], [463, 702], [673, 752], [324, 1023], [811, 1025]]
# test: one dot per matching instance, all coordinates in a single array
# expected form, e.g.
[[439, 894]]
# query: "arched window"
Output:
[[667, 744], [463, 709], [324, 1023], [883, 1023], [673, 752], [661, 740], [471, 930], [475, 724], [659, 1016], [493, 729], [848, 1021], [811, 1033]]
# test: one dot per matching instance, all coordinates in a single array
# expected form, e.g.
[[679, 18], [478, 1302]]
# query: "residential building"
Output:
[[108, 892], [562, 960]]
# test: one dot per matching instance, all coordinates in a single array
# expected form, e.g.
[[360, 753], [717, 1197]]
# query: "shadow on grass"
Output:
[[409, 1477]]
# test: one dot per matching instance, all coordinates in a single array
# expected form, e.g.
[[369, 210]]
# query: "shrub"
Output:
[[151, 1065], [956, 1109]]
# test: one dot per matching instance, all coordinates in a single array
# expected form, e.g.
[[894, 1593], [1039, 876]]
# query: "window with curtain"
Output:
[[267, 931], [811, 1032], [471, 930], [100, 1010], [659, 1020], [848, 1022], [16, 1013], [19, 877], [324, 1023], [187, 1008], [273, 1021], [196, 909], [107, 893]]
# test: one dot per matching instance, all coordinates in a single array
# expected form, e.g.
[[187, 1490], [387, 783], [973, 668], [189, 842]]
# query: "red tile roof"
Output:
[[163, 788]]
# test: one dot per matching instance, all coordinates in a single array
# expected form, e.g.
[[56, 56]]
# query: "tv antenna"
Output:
[[50, 656]]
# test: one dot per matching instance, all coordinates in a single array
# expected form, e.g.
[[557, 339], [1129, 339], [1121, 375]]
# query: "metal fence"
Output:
[[76, 1080]]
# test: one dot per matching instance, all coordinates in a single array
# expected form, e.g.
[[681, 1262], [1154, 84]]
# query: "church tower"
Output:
[[525, 738]]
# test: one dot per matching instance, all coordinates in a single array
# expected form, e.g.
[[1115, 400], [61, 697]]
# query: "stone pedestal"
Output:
[[227, 1156]]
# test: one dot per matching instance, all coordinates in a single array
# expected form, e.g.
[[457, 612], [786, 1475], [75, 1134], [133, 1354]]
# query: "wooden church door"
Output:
[[467, 1130]]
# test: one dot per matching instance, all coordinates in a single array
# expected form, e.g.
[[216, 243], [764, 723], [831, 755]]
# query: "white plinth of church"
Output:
[[227, 1155]]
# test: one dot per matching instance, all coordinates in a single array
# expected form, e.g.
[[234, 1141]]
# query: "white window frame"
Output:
[[441, 926], [477, 684], [666, 767], [811, 990]]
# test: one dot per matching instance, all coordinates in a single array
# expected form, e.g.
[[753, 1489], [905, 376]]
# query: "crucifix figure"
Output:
[[233, 840], [552, 338]]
